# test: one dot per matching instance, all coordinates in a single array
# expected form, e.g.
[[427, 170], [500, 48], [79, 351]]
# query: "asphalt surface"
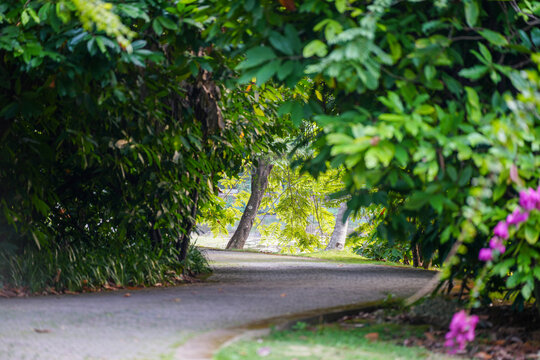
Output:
[[152, 323]]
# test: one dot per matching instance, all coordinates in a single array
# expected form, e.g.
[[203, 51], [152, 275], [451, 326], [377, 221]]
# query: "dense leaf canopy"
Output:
[[104, 140], [431, 107], [427, 103]]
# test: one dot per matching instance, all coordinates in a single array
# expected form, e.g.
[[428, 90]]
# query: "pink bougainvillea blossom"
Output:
[[461, 331], [496, 244], [529, 199], [517, 217], [462, 326], [501, 230], [264, 351], [485, 254]]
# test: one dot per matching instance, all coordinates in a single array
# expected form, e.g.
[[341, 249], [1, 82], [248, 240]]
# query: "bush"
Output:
[[86, 268]]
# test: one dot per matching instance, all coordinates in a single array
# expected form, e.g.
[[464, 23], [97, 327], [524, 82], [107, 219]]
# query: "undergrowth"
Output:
[[86, 268]]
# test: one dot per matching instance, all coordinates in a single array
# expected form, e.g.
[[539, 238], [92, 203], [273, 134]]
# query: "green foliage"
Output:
[[349, 256], [106, 142], [518, 266], [225, 209], [430, 108], [369, 238], [420, 101], [98, 14], [85, 268], [299, 201]]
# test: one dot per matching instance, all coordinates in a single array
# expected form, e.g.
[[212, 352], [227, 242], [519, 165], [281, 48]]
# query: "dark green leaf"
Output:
[[267, 71], [285, 70], [158, 29], [280, 43], [256, 56], [465, 176], [167, 23]]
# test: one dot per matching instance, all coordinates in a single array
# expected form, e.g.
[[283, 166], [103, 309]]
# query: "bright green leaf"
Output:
[[493, 37], [315, 47], [256, 56], [472, 11]]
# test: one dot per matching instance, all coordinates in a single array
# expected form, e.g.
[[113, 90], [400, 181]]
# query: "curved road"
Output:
[[152, 323]]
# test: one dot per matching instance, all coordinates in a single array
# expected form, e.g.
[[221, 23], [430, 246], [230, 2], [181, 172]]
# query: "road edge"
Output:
[[204, 346]]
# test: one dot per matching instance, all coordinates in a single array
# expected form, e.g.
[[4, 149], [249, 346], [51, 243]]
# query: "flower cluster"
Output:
[[528, 200], [462, 326], [461, 330]]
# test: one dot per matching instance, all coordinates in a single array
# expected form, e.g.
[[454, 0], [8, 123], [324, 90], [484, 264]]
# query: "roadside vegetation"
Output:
[[120, 121], [397, 332], [88, 269], [348, 256], [342, 341]]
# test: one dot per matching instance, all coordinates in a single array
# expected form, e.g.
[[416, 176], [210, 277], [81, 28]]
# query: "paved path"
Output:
[[151, 323]]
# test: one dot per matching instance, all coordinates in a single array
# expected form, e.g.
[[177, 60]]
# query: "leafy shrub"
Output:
[[83, 267]]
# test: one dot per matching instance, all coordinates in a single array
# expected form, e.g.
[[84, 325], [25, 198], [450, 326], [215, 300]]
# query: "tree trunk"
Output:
[[415, 256], [337, 240], [259, 182]]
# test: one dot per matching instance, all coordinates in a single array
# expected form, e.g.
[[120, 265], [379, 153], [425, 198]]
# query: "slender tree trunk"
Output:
[[259, 182], [415, 256], [337, 240]]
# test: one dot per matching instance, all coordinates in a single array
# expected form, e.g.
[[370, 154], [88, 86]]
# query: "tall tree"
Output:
[[259, 183]]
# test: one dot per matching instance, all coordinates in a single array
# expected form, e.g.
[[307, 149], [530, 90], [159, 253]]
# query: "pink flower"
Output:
[[514, 175], [501, 230], [461, 331], [529, 199], [517, 217], [485, 255], [496, 244], [264, 351], [538, 198]]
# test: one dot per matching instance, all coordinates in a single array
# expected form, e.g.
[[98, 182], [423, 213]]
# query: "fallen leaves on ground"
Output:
[[14, 292], [9, 292], [372, 336], [502, 334]]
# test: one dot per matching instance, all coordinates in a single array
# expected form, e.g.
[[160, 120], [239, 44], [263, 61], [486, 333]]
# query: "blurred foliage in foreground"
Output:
[[431, 107]]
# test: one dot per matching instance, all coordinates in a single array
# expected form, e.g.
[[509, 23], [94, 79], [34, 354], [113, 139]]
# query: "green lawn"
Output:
[[347, 256], [333, 342]]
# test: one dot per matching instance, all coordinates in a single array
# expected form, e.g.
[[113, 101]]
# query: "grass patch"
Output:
[[344, 341], [348, 257]]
